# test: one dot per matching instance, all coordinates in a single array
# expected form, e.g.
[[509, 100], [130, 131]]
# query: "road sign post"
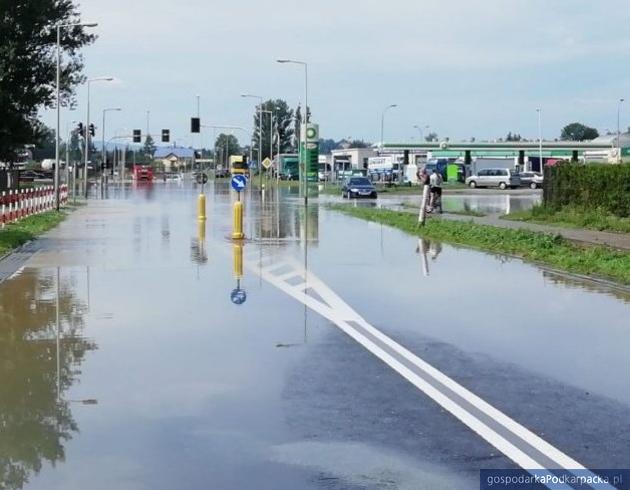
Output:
[[239, 183]]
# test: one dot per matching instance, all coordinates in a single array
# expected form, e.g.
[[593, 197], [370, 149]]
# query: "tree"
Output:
[[327, 145], [149, 147], [513, 137], [359, 144], [224, 146], [45, 147], [282, 118], [28, 66], [431, 137], [578, 132], [298, 125]]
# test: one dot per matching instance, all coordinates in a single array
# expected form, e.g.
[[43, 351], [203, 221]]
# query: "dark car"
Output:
[[358, 187]]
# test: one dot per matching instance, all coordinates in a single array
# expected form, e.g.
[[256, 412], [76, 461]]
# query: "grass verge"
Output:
[[574, 217], [554, 251], [15, 234]]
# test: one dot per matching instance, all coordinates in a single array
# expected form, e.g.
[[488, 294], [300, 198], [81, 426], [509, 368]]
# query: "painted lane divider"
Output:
[[518, 443]]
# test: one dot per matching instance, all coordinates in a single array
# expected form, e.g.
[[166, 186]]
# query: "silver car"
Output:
[[494, 177], [533, 180]]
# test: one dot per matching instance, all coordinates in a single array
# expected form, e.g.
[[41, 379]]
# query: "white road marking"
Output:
[[341, 314]]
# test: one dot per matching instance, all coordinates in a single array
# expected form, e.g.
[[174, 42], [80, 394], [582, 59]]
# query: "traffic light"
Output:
[[92, 130], [81, 129], [166, 135], [195, 125], [137, 136]]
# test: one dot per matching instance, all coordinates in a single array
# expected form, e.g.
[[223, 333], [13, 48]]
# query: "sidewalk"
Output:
[[619, 241]]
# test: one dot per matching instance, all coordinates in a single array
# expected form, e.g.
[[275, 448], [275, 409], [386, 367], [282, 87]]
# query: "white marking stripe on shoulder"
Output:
[[340, 313]]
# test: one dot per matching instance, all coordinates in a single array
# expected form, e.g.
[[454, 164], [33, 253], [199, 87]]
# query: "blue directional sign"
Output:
[[239, 182], [238, 296]]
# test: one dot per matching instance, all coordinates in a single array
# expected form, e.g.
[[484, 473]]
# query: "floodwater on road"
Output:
[[485, 201], [143, 349]]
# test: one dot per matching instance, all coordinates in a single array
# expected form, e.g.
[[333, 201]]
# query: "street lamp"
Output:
[[421, 133], [87, 126], [260, 100], [540, 158], [619, 132], [305, 118], [103, 154], [58, 90], [391, 106]]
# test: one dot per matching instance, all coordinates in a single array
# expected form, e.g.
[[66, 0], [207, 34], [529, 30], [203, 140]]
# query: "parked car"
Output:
[[494, 177], [358, 187], [532, 180]]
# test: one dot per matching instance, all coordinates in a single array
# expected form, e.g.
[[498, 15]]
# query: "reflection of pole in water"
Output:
[[58, 324], [88, 286], [422, 249]]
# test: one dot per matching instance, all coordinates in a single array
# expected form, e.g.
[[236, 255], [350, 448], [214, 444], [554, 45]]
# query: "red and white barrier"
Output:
[[16, 205]]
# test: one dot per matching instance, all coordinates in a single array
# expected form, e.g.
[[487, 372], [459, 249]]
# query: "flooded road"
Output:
[[144, 350], [484, 201]]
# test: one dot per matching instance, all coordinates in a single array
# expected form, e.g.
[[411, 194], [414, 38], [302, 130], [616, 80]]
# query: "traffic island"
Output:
[[542, 248]]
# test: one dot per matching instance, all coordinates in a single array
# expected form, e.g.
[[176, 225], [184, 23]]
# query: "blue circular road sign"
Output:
[[239, 182], [238, 296]]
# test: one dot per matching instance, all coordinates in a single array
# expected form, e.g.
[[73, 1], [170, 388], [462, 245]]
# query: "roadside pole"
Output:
[[423, 205]]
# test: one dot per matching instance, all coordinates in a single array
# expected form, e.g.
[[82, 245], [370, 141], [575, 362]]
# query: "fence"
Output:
[[16, 205]]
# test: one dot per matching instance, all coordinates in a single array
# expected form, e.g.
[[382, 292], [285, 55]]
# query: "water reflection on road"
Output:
[[41, 351], [207, 374], [482, 201]]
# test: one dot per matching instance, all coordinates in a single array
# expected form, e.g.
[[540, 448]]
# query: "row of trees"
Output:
[[28, 67]]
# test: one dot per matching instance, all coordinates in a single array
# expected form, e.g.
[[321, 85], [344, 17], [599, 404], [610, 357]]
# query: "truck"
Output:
[[384, 168], [238, 165], [288, 165]]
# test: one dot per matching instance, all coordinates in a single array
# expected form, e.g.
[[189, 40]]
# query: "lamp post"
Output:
[[540, 158], [391, 106], [619, 132], [421, 133], [58, 92], [305, 118], [103, 154], [87, 127], [260, 110]]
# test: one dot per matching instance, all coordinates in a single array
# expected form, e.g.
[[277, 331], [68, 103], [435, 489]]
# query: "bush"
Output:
[[605, 187]]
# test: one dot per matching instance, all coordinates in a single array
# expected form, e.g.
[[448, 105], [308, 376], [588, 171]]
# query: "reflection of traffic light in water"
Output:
[[238, 296]]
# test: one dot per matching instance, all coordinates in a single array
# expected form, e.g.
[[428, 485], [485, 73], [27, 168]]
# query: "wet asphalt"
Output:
[[127, 364]]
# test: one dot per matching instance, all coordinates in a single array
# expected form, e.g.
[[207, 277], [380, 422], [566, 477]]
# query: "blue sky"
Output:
[[466, 68]]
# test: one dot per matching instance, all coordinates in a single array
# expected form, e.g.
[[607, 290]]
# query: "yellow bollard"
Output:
[[201, 207], [237, 231], [238, 260]]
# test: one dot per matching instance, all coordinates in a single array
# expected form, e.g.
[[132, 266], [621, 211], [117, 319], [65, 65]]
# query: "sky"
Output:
[[465, 68]]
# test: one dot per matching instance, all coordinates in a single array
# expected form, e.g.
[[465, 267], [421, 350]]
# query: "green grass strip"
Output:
[[574, 217], [554, 251], [15, 234]]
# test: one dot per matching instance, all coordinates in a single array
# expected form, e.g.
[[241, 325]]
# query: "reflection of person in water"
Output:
[[430, 247]]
